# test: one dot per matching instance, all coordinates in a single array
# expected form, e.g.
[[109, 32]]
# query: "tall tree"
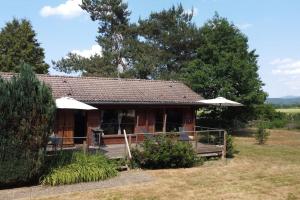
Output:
[[18, 44], [174, 37], [154, 48], [224, 66], [114, 36], [26, 117]]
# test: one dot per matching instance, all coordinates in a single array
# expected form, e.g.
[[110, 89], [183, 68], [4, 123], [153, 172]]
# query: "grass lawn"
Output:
[[267, 172], [289, 110]]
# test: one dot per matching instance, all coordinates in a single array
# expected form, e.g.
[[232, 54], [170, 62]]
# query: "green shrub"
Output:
[[261, 135], [230, 149], [69, 168], [277, 123], [26, 116], [163, 152]]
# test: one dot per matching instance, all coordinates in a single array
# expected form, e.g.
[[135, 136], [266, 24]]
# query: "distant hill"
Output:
[[288, 100]]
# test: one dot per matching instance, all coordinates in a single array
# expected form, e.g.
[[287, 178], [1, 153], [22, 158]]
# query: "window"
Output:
[[110, 122], [159, 121], [174, 120], [115, 121]]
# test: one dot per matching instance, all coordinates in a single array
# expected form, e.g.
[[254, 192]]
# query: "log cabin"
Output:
[[134, 105]]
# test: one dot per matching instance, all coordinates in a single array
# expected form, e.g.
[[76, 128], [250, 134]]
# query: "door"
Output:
[[66, 126], [80, 127]]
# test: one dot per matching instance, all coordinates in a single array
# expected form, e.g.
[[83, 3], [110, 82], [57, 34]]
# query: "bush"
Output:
[[27, 111], [69, 168], [230, 149], [272, 118], [277, 123], [261, 134], [162, 152]]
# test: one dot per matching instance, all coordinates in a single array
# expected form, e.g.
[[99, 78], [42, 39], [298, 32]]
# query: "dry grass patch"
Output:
[[269, 171]]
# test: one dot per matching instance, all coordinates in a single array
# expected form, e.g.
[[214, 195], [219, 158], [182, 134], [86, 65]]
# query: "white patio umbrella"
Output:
[[70, 103], [220, 101]]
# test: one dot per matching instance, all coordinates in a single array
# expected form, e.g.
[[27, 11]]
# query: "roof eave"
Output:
[[141, 103]]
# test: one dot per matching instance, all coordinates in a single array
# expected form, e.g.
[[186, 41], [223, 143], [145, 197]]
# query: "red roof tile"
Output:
[[121, 91]]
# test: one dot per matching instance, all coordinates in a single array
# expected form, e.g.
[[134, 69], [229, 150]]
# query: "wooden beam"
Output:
[[147, 115], [224, 145], [127, 144], [165, 121]]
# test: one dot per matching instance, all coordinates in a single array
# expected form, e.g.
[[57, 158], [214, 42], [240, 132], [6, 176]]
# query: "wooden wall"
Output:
[[189, 119], [93, 121], [64, 125], [145, 121]]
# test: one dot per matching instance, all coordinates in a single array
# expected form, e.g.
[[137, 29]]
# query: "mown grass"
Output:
[[270, 171]]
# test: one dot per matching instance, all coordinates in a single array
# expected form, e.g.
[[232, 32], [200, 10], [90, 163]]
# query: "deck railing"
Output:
[[206, 136], [200, 135]]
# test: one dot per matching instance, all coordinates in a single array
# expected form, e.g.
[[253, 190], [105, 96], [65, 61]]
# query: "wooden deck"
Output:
[[119, 150], [208, 150], [115, 151]]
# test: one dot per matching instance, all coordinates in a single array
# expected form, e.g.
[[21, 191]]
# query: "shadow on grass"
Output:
[[246, 132]]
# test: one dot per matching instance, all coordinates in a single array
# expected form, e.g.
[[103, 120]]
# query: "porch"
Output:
[[75, 126], [115, 151], [206, 142]]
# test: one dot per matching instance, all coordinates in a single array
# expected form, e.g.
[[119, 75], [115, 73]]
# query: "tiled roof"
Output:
[[118, 91]]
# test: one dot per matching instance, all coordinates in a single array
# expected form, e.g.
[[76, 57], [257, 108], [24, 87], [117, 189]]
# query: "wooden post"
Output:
[[127, 145], [147, 115], [165, 121], [224, 145], [196, 140], [130, 141], [137, 120], [84, 146]]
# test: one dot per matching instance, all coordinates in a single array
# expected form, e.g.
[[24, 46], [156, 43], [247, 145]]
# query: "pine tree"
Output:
[[18, 44], [173, 37], [114, 36], [27, 112]]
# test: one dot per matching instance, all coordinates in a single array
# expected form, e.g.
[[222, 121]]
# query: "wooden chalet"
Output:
[[135, 105]]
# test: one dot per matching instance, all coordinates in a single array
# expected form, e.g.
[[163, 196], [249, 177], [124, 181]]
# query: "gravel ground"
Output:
[[124, 178]]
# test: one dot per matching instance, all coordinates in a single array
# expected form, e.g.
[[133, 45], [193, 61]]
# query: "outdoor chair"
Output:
[[55, 141], [183, 136]]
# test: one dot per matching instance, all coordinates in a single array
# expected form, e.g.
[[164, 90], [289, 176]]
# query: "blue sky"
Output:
[[272, 27]]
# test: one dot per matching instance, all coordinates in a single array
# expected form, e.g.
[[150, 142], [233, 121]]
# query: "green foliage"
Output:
[[214, 60], [174, 38], [268, 112], [230, 148], [224, 66], [18, 44], [156, 47], [163, 152], [275, 119], [114, 36], [261, 135], [271, 118], [293, 121], [69, 168], [27, 111]]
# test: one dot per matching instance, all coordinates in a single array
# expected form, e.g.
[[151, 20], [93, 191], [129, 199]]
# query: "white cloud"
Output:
[[69, 9], [95, 49], [293, 84], [286, 66], [244, 26], [280, 61], [190, 11]]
